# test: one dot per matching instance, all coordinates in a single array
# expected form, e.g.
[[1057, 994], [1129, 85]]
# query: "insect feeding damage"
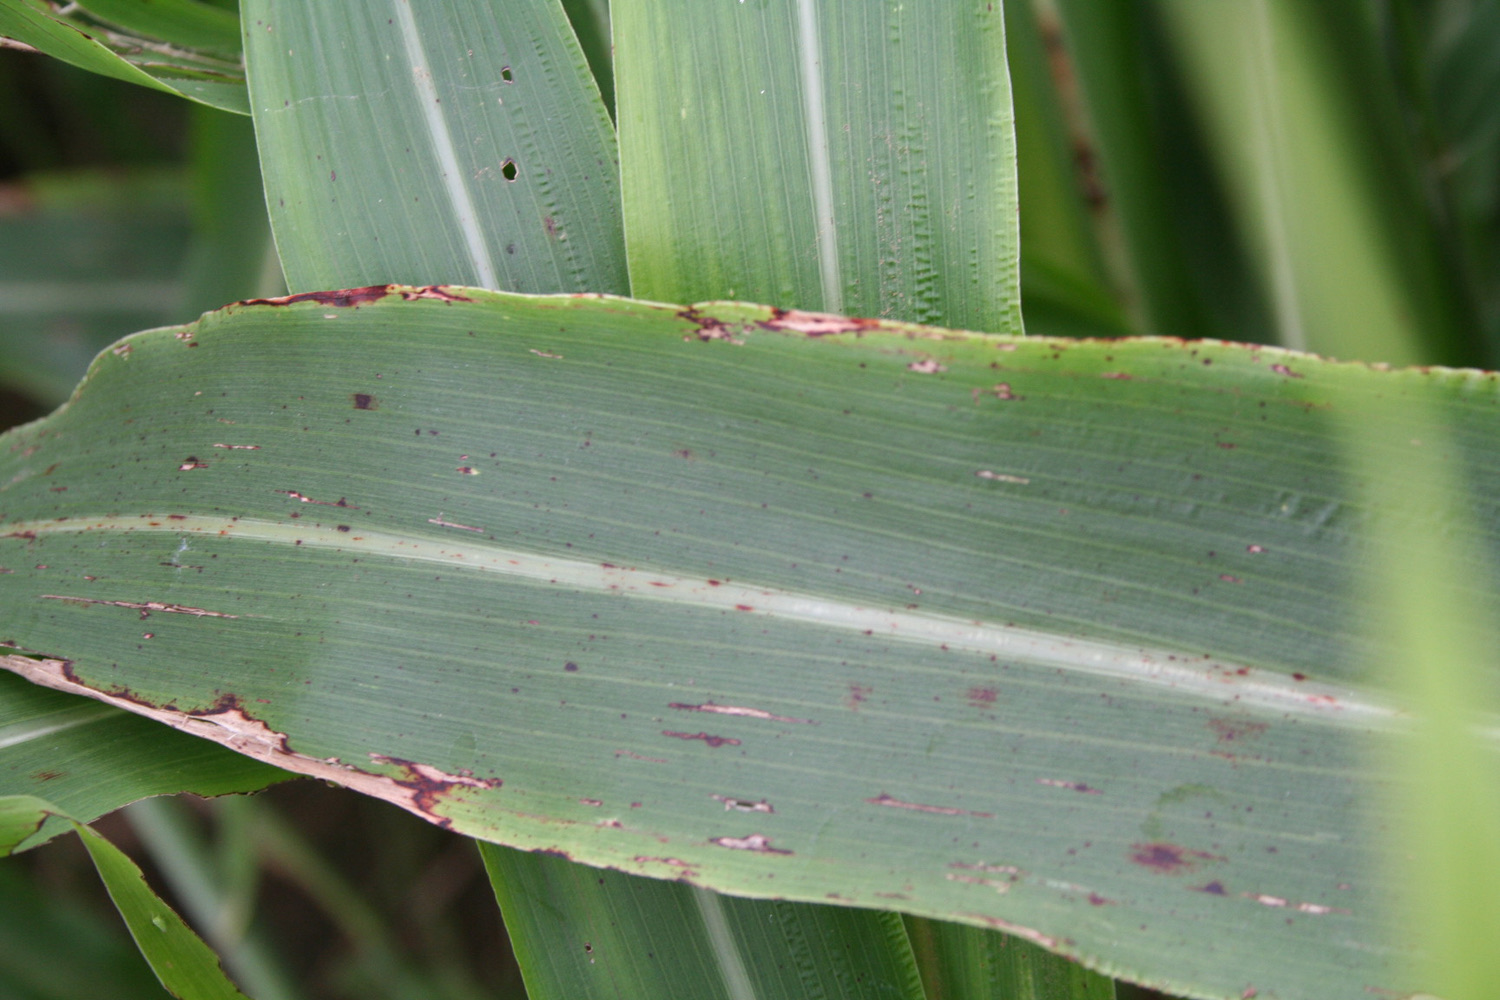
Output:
[[353, 298], [757, 842], [421, 790]]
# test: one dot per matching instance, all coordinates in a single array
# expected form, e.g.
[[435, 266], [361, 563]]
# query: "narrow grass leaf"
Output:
[[1437, 616], [186, 966], [188, 24]]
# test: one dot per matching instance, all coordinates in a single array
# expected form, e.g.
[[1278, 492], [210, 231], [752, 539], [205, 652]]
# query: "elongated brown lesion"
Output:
[[144, 607]]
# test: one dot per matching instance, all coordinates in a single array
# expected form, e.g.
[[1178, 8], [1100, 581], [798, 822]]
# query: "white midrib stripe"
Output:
[[731, 964], [1179, 674], [810, 55], [459, 198], [24, 732]]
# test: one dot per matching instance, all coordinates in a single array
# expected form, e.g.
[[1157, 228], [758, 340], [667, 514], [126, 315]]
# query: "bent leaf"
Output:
[[213, 76], [1050, 637]]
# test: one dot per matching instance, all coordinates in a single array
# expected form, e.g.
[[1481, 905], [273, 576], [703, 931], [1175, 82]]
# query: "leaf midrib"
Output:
[[1182, 674]]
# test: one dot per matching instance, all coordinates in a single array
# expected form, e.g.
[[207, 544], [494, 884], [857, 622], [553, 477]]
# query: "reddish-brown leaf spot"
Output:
[[713, 741], [1230, 730], [1169, 859]]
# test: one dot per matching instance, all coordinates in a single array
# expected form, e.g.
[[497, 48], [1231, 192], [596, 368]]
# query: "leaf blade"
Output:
[[864, 160], [479, 152], [528, 621]]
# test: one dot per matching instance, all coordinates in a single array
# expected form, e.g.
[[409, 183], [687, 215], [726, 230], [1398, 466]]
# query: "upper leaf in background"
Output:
[[182, 47], [855, 158], [446, 141], [1061, 639]]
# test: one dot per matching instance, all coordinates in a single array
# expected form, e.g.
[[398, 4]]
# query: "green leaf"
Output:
[[584, 933], [970, 963], [184, 964], [204, 78], [91, 759], [189, 24], [447, 141], [1437, 626], [854, 158], [1054, 638]]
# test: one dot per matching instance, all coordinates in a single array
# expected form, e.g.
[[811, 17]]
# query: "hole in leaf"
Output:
[[508, 169], [506, 75]]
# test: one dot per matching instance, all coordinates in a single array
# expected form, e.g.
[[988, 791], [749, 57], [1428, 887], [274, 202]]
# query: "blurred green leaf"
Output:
[[85, 260], [182, 962], [582, 933], [1436, 624], [53, 947], [854, 158], [1310, 138]]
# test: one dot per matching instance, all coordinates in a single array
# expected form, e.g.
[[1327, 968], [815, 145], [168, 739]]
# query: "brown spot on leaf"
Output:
[[739, 710], [1169, 859], [743, 805], [428, 784], [365, 401], [816, 324], [1214, 888], [144, 607], [342, 298], [980, 697], [1230, 730], [886, 800], [759, 843], [713, 741], [1072, 786]]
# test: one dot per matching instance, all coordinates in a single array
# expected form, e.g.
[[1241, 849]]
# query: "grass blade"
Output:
[[185, 965]]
